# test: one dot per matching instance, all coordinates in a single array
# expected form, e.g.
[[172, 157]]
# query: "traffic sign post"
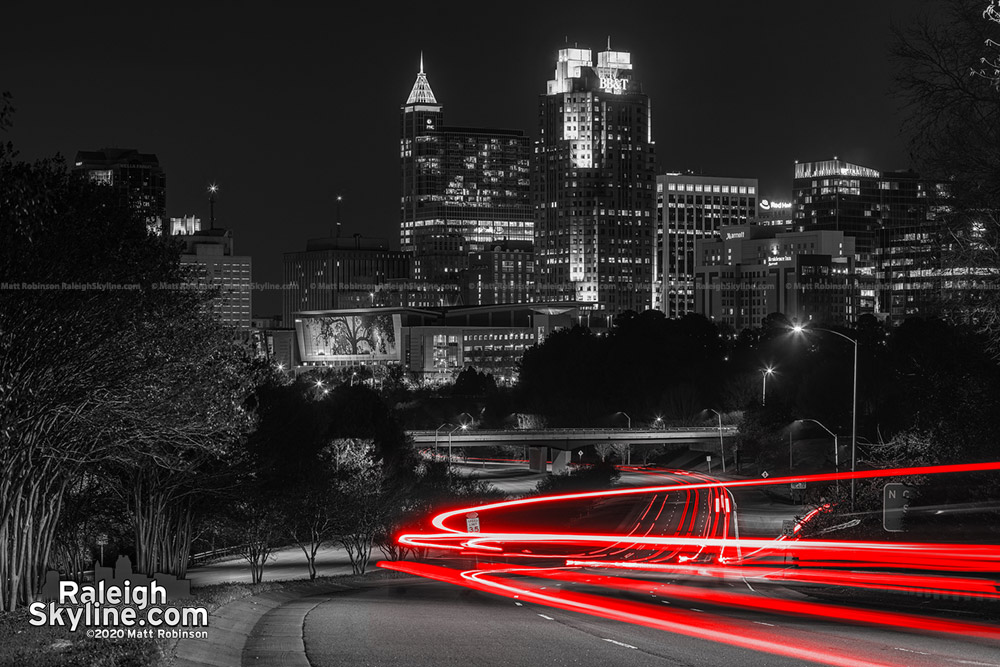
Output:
[[896, 499], [102, 539], [472, 526], [798, 491]]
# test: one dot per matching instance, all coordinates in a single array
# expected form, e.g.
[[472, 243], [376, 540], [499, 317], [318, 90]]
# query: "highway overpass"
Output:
[[565, 440]]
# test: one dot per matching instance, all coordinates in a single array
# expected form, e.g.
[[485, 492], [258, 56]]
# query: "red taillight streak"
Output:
[[698, 625], [914, 583], [439, 520], [790, 607], [950, 557]]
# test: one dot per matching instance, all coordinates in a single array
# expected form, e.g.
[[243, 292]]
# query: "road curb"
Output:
[[231, 626]]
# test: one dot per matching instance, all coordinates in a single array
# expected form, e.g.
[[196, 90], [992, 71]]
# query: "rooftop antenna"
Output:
[[609, 42], [421, 62], [212, 190], [340, 199]]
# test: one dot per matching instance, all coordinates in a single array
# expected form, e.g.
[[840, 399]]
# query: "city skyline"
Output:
[[256, 101]]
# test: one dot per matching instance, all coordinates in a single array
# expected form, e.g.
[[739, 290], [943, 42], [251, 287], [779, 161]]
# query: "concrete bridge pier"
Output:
[[560, 460], [538, 458]]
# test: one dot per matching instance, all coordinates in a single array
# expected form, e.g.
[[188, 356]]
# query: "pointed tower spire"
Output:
[[421, 92], [609, 42]]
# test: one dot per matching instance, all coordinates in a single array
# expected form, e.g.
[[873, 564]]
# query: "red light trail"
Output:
[[910, 567]]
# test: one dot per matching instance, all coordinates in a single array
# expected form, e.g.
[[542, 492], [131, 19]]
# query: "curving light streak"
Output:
[[699, 625], [440, 519], [792, 607]]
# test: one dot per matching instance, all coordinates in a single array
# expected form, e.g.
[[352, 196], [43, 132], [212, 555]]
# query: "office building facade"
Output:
[[690, 208], [896, 219], [211, 259], [433, 345], [751, 271], [502, 273], [593, 186], [344, 272], [463, 188], [136, 178]]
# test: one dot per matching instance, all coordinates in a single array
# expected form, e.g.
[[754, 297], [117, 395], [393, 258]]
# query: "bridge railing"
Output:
[[674, 429]]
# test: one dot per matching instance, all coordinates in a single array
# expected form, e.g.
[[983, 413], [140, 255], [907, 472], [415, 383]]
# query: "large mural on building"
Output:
[[350, 338]]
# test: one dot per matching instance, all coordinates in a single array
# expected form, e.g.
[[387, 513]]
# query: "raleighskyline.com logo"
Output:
[[121, 605]]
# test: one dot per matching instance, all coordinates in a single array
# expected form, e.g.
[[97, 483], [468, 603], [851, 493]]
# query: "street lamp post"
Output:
[[765, 372], [438, 430], [460, 426], [628, 455], [836, 449], [354, 376], [722, 448], [854, 406]]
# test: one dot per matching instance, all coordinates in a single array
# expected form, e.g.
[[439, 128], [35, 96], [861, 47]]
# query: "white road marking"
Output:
[[547, 618], [771, 625], [909, 650], [617, 643], [519, 604], [693, 609]]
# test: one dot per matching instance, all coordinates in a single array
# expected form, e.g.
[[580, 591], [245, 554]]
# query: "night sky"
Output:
[[287, 105]]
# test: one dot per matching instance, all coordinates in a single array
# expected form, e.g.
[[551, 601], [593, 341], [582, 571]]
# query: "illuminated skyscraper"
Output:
[[593, 186], [463, 189], [895, 219], [690, 208]]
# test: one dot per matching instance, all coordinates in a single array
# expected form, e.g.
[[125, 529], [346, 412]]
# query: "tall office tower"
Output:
[[690, 208], [136, 177], [341, 273], [910, 247], [885, 213], [210, 253], [463, 189], [593, 187]]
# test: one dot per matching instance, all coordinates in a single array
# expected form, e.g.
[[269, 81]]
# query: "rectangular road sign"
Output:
[[895, 501], [472, 522]]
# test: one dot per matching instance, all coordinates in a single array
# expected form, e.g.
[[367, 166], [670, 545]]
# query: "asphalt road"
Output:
[[417, 622]]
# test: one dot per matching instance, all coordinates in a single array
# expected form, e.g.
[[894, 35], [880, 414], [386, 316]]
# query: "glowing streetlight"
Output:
[[799, 329], [765, 372], [722, 448], [354, 376]]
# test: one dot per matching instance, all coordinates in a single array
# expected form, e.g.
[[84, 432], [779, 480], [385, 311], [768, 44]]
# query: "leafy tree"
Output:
[[594, 477], [946, 76]]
